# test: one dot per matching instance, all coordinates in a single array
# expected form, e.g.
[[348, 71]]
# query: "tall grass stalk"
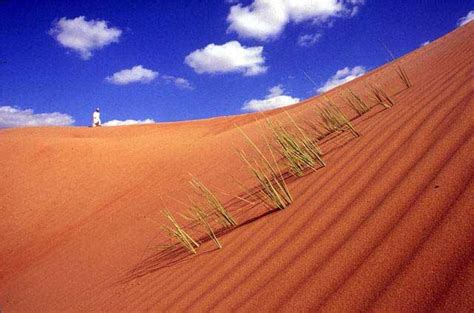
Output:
[[381, 96], [178, 233], [222, 214], [198, 215], [356, 103], [305, 136], [334, 119], [274, 191], [403, 76], [298, 149]]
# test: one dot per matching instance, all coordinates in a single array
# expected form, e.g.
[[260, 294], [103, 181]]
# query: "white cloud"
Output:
[[308, 40], [266, 19], [128, 122], [425, 43], [341, 77], [227, 58], [179, 82], [137, 74], [466, 19], [84, 36], [15, 117], [275, 99], [261, 20]]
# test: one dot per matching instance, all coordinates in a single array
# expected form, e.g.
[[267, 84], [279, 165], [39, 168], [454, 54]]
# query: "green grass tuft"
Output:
[[198, 215], [176, 232], [222, 214], [297, 148], [274, 191], [333, 119]]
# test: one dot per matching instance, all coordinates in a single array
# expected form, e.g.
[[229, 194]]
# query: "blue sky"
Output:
[[167, 60]]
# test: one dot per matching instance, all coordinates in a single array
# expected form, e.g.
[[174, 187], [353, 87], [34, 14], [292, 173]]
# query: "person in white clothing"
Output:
[[96, 118]]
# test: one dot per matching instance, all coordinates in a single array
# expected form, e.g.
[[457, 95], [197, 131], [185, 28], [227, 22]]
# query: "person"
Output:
[[96, 118]]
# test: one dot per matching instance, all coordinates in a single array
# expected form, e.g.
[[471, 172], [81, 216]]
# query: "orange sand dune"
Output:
[[387, 225]]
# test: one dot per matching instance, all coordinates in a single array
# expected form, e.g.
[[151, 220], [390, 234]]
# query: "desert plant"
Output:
[[300, 151], [222, 214], [177, 232], [306, 137], [334, 119], [403, 76], [198, 215], [274, 191], [356, 103], [380, 95], [317, 128]]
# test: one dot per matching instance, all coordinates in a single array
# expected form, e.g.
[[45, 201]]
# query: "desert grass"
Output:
[[403, 76], [305, 136], [198, 215], [297, 148], [380, 95], [222, 214], [318, 129], [274, 191], [176, 232], [356, 103], [333, 119]]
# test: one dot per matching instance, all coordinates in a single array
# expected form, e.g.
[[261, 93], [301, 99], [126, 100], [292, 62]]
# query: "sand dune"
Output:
[[387, 225]]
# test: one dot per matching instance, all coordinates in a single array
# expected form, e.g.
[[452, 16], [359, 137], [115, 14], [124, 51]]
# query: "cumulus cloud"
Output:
[[261, 20], [341, 77], [16, 117], [466, 19], [179, 82], [84, 36], [308, 40], [274, 99], [266, 19], [227, 58], [137, 74], [128, 122]]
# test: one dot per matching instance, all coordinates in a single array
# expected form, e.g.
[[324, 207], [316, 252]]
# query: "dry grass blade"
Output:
[[403, 76], [306, 138], [297, 149], [178, 233], [334, 119], [381, 96], [202, 218], [318, 128], [274, 191], [223, 215], [356, 103]]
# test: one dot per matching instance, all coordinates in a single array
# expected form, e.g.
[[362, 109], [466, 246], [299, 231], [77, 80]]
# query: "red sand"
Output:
[[388, 225]]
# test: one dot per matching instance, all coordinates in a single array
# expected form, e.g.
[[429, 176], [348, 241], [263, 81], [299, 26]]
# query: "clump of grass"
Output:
[[298, 149], [403, 76], [274, 191], [198, 215], [334, 119], [177, 232], [222, 214], [381, 96], [318, 129], [356, 103]]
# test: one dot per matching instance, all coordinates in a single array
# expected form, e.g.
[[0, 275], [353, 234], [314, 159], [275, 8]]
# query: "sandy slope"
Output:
[[386, 226]]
